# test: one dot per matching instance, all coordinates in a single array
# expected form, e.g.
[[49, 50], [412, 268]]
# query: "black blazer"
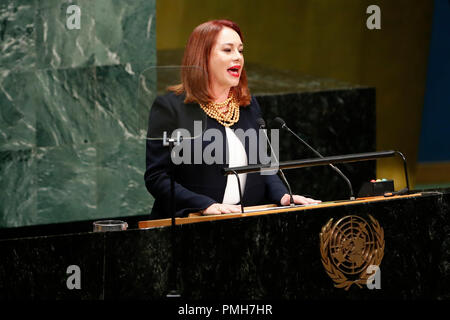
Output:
[[197, 186]]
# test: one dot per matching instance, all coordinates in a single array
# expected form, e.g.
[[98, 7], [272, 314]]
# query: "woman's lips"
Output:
[[234, 71]]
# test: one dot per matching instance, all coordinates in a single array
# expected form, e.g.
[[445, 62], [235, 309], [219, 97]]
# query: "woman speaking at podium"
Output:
[[214, 93]]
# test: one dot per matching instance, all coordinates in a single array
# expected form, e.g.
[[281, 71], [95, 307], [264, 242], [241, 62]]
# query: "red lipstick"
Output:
[[234, 71]]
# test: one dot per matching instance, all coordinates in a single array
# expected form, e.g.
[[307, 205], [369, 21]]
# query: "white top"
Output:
[[237, 158]]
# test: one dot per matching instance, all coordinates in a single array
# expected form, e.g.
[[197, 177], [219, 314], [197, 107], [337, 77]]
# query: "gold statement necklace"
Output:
[[226, 118]]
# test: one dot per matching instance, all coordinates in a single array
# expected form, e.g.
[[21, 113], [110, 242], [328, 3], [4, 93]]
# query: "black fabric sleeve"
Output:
[[157, 180]]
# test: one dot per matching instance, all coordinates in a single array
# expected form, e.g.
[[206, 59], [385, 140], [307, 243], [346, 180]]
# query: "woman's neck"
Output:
[[220, 94]]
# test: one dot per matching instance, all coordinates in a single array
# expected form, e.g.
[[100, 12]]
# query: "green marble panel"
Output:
[[57, 107], [65, 112], [17, 111], [66, 178], [111, 33], [146, 94], [60, 47], [18, 188], [125, 33], [115, 105], [34, 34], [69, 120], [17, 36], [120, 172]]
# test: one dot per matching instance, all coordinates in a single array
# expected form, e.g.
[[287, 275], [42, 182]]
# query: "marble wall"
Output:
[[70, 144]]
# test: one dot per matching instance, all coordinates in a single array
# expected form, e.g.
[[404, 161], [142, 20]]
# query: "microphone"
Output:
[[282, 124], [262, 125]]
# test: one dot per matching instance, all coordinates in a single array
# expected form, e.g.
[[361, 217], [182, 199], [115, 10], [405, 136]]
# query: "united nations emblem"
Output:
[[349, 247]]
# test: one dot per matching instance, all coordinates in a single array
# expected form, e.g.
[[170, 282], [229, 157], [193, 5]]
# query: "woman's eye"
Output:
[[229, 50]]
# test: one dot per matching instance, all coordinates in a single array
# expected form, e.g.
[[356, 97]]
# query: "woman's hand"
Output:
[[286, 200], [219, 208]]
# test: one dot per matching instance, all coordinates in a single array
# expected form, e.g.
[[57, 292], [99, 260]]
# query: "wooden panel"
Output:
[[196, 217], [435, 172]]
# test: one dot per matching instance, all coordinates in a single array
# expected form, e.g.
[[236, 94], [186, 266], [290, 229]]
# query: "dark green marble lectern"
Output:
[[263, 256]]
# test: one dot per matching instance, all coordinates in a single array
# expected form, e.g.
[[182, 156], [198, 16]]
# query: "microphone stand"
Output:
[[352, 196], [356, 157], [170, 142], [281, 173], [240, 189]]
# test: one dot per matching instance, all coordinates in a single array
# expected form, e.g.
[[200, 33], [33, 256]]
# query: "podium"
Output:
[[261, 255], [261, 210], [276, 254]]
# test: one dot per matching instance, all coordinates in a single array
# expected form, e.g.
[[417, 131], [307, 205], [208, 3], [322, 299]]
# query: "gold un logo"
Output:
[[349, 247]]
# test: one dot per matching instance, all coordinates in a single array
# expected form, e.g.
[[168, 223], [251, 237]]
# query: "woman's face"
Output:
[[226, 60]]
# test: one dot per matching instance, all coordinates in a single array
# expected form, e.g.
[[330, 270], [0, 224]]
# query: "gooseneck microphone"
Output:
[[262, 125], [282, 124]]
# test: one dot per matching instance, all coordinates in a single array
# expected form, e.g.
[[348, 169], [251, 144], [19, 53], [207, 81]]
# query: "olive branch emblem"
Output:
[[349, 247]]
